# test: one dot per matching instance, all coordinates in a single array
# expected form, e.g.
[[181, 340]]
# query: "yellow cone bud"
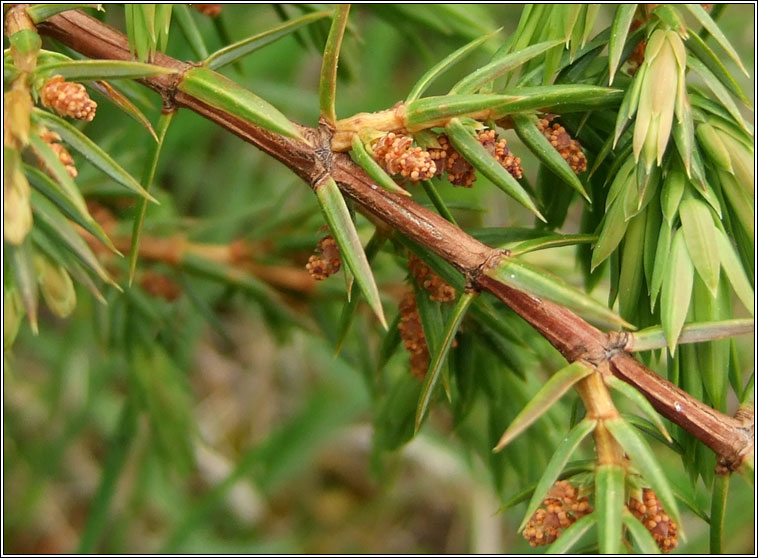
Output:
[[56, 286], [17, 211], [13, 314], [659, 93]]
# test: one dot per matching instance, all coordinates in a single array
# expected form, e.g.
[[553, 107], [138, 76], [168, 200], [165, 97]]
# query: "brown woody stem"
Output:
[[730, 437]]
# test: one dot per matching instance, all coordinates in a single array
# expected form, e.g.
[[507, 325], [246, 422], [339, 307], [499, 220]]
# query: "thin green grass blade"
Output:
[[558, 384], [609, 506], [147, 179], [500, 67], [220, 92], [25, 276], [712, 27], [445, 64], [572, 535], [433, 374], [676, 290], [52, 191], [525, 278], [700, 237], [732, 266], [91, 151], [640, 535], [240, 49], [78, 70], [639, 400], [539, 145], [191, 31], [327, 87], [361, 156], [644, 459], [484, 162], [338, 217], [554, 467], [40, 12]]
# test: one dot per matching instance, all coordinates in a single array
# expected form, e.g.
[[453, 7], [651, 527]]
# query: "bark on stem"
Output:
[[731, 438]]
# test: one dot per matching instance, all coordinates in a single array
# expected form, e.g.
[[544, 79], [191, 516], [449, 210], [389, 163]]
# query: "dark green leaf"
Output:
[[361, 156], [539, 145], [631, 393], [619, 31], [41, 12], [525, 278], [52, 191], [640, 534], [328, 82], [338, 217], [191, 31], [445, 64], [25, 276], [91, 151], [676, 289], [558, 384], [475, 153], [77, 70], [644, 459], [220, 92], [712, 27], [236, 51], [700, 237], [440, 355], [654, 337], [609, 506], [718, 512], [718, 89], [500, 66], [572, 535], [59, 228], [553, 469], [730, 263], [147, 179]]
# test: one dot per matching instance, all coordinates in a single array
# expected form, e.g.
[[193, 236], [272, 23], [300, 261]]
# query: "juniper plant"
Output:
[[638, 124]]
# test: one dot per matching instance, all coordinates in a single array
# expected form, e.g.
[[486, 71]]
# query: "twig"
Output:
[[731, 438]]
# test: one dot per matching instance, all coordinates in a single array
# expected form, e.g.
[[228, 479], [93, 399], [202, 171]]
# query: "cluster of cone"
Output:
[[396, 154], [326, 261], [563, 507], [410, 327]]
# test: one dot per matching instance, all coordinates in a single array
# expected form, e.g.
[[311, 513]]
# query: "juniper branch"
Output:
[[731, 438]]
